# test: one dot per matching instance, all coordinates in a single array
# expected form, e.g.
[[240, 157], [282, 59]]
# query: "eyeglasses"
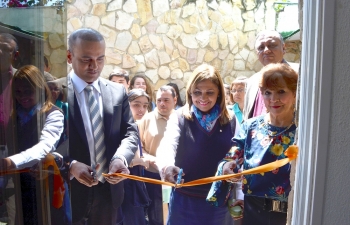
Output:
[[238, 90], [199, 93]]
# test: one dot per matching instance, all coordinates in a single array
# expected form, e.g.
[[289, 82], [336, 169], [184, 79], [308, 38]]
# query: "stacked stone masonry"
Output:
[[167, 39]]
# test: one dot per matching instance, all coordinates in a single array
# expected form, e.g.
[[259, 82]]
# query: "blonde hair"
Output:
[[35, 78], [202, 73]]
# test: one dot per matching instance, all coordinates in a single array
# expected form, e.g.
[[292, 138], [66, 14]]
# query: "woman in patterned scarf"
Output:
[[195, 140]]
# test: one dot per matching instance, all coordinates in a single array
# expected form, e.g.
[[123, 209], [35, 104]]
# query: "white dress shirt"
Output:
[[49, 137], [166, 150], [82, 98]]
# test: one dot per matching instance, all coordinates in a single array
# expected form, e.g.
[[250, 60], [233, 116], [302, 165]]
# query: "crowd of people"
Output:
[[92, 126]]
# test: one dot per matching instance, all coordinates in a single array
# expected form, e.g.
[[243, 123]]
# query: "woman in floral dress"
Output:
[[263, 140]]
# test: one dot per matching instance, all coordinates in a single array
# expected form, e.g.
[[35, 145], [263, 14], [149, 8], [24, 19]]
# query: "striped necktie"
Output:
[[98, 133]]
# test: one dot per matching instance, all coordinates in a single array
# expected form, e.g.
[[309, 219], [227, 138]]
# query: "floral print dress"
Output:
[[260, 143]]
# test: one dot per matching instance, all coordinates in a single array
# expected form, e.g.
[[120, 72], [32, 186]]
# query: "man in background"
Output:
[[270, 48], [152, 128], [8, 54], [120, 76]]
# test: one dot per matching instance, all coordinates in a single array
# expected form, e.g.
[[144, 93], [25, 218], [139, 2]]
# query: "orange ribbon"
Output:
[[10, 172], [58, 183], [291, 153]]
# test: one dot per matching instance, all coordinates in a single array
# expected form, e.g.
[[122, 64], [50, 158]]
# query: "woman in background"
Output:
[[237, 93], [56, 95], [227, 96], [139, 80], [33, 111], [135, 196], [139, 102]]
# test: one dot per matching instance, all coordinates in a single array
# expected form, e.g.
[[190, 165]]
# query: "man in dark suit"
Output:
[[95, 199], [8, 54]]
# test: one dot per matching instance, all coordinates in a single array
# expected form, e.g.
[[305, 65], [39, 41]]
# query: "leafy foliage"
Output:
[[280, 7], [29, 3]]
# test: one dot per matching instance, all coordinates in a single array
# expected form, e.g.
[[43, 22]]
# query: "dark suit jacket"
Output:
[[120, 136]]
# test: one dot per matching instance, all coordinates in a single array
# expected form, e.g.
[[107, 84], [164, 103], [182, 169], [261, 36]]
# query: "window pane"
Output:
[[32, 59]]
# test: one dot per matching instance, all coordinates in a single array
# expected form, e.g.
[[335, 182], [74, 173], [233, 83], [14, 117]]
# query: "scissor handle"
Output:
[[179, 176]]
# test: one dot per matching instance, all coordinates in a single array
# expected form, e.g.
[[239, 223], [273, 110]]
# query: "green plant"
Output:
[[30, 3], [279, 6]]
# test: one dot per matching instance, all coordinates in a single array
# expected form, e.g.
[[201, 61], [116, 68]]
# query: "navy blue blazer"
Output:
[[121, 136]]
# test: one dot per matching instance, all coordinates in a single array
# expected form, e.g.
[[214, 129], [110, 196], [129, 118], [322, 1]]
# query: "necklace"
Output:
[[272, 134]]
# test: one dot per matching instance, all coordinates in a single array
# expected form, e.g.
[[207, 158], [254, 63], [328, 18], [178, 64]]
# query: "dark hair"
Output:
[[46, 62], [168, 88], [177, 91], [135, 93], [34, 77], [274, 72], [119, 72], [10, 37], [86, 34], [148, 87]]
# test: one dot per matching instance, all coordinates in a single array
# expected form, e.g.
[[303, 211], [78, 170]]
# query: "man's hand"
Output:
[[170, 173], [117, 166], [82, 173]]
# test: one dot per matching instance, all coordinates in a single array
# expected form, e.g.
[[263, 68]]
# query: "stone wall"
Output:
[[50, 22], [293, 50], [55, 45], [167, 39]]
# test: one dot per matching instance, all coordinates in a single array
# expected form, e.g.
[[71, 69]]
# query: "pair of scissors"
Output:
[[178, 180]]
